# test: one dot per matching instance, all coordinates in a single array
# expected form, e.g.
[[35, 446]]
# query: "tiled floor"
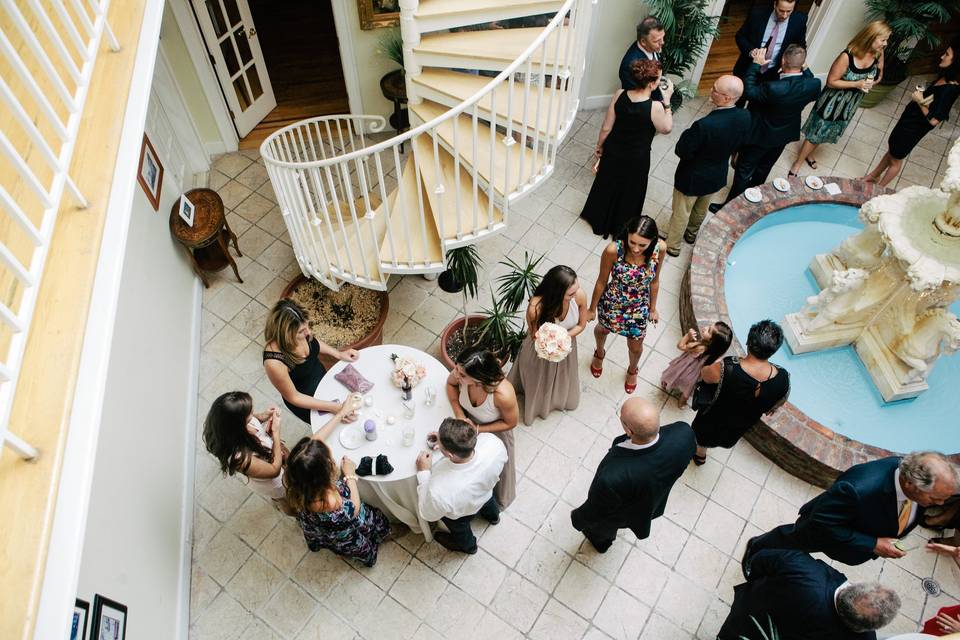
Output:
[[534, 576]]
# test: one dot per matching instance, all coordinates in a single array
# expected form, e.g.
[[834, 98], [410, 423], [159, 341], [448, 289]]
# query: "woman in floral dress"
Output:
[[625, 295], [327, 503]]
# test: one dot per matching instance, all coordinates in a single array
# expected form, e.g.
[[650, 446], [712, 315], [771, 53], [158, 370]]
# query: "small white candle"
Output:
[[368, 401], [391, 419]]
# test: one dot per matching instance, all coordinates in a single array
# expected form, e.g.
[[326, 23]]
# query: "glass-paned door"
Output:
[[231, 37]]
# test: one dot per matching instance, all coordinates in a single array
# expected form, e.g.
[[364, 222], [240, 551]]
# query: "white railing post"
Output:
[[410, 34]]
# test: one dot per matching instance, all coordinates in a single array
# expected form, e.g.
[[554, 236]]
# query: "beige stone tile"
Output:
[[570, 436], [605, 564], [279, 259], [702, 478], [660, 628], [444, 562], [716, 614], [391, 561], [414, 335], [454, 612], [643, 577], [519, 601], [557, 622], [407, 297], [532, 504], [224, 619], [223, 556], [947, 573], [426, 632], [506, 541], [907, 586], [231, 164], [665, 542], [259, 630], [254, 241], [749, 462], [255, 518], [319, 573], [232, 194], [203, 591], [480, 576], [388, 621], [735, 492], [223, 496], [581, 589], [683, 602], [551, 469], [418, 588], [684, 506], [273, 223], [543, 563], [225, 304], [849, 167], [354, 598], [272, 292], [209, 326], [255, 278], [577, 489], [250, 321], [284, 546], [253, 176], [205, 526], [289, 609], [255, 582], [771, 511], [719, 527], [793, 490], [621, 615], [702, 563], [434, 315]]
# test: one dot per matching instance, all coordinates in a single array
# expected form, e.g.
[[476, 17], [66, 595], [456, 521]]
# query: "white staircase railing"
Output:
[[50, 59], [336, 192]]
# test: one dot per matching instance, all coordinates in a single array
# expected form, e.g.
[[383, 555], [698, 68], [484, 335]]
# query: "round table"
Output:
[[207, 241], [395, 494]]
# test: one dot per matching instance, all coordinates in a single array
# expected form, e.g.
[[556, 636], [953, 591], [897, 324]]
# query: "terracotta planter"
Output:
[[372, 338], [456, 325]]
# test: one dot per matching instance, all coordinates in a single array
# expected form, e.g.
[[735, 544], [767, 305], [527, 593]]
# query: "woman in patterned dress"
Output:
[[625, 296], [852, 75], [327, 502]]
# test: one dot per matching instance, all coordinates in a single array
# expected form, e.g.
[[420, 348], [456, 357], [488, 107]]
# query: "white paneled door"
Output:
[[231, 37]]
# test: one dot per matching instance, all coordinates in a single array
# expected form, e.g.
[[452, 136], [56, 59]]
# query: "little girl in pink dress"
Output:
[[681, 375]]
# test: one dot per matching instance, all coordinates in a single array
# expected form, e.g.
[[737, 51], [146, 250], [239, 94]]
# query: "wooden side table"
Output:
[[207, 241], [394, 88]]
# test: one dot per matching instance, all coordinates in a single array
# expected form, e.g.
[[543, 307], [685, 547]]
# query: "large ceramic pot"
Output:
[[453, 327], [372, 337]]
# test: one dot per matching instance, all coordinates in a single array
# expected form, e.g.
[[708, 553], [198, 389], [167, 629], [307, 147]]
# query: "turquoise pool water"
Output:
[[767, 277]]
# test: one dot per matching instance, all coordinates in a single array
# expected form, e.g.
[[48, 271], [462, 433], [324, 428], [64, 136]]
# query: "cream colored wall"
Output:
[[852, 17], [171, 40], [614, 28], [370, 65]]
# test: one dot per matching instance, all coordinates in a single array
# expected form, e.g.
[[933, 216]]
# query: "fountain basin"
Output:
[[812, 436]]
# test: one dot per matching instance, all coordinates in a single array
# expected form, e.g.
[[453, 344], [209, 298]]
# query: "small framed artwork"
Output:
[[109, 619], [375, 14], [78, 628], [187, 210], [150, 173]]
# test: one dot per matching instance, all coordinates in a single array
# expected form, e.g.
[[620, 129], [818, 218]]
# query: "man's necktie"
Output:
[[772, 46], [904, 518]]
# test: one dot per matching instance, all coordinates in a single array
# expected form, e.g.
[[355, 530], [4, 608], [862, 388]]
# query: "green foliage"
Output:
[[764, 635], [518, 284], [500, 332], [464, 264], [689, 31], [390, 46], [909, 22]]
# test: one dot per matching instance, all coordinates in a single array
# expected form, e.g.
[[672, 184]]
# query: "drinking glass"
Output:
[[408, 435], [409, 409], [430, 396]]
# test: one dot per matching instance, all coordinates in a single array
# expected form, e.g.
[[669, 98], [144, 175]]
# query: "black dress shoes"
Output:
[[716, 206]]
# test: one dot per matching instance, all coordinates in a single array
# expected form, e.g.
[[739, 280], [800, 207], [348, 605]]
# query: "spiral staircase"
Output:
[[493, 105]]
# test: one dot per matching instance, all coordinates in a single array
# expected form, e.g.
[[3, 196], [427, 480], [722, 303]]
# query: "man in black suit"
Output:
[[806, 598], [776, 106], [704, 150], [649, 44], [870, 506], [633, 480], [773, 30]]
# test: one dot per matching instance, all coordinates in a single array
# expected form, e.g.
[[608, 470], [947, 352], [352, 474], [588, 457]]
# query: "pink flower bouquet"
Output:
[[552, 342], [406, 368]]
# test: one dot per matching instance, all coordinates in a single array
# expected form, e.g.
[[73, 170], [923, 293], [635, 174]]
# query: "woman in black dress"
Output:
[[623, 151], [747, 388], [291, 359], [928, 108]]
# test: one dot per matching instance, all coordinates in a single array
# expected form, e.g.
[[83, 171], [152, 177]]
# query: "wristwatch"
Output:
[[350, 477]]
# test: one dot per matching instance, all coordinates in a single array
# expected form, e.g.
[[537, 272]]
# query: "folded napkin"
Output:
[[370, 467], [353, 380]]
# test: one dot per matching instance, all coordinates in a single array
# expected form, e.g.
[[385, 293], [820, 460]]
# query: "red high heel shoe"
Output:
[[630, 388], [597, 371]]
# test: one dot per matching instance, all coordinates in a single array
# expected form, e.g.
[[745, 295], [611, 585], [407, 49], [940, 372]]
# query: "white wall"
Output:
[[136, 527], [850, 17], [614, 28]]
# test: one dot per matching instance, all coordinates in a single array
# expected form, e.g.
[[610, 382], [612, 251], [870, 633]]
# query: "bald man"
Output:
[[634, 479], [704, 150]]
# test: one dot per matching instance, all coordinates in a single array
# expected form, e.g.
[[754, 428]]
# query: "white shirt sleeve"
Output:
[[429, 509]]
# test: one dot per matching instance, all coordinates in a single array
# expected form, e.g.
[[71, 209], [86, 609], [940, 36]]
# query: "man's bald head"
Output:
[[640, 419], [726, 90]]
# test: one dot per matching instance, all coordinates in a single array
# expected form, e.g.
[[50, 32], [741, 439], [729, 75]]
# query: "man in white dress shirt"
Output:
[[460, 486], [771, 28]]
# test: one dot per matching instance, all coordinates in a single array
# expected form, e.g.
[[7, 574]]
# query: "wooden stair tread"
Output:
[[428, 110], [404, 218], [445, 203], [367, 261], [430, 8], [461, 86], [500, 45]]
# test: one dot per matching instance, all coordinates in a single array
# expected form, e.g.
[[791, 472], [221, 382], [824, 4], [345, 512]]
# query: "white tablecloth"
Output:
[[394, 494]]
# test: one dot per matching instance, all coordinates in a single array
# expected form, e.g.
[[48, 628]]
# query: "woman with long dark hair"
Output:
[[927, 108], [247, 443], [326, 501], [625, 295], [479, 393], [547, 386], [623, 150]]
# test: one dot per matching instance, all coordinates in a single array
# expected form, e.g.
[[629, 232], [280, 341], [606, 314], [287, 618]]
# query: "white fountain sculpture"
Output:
[[887, 288]]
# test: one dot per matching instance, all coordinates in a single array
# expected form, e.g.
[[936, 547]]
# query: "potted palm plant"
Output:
[[910, 29], [688, 31]]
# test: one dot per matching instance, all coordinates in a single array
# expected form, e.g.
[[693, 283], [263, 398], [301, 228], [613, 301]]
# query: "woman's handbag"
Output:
[[706, 393]]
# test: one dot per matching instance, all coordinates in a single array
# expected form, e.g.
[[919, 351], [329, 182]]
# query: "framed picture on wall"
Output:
[[375, 14], [78, 628], [109, 619], [186, 209], [150, 173]]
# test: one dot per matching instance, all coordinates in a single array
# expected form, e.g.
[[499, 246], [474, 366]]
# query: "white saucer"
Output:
[[781, 184], [753, 194], [813, 182], [352, 436]]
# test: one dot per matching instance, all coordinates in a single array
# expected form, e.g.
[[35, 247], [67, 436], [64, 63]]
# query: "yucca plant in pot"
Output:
[[909, 22], [688, 33]]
